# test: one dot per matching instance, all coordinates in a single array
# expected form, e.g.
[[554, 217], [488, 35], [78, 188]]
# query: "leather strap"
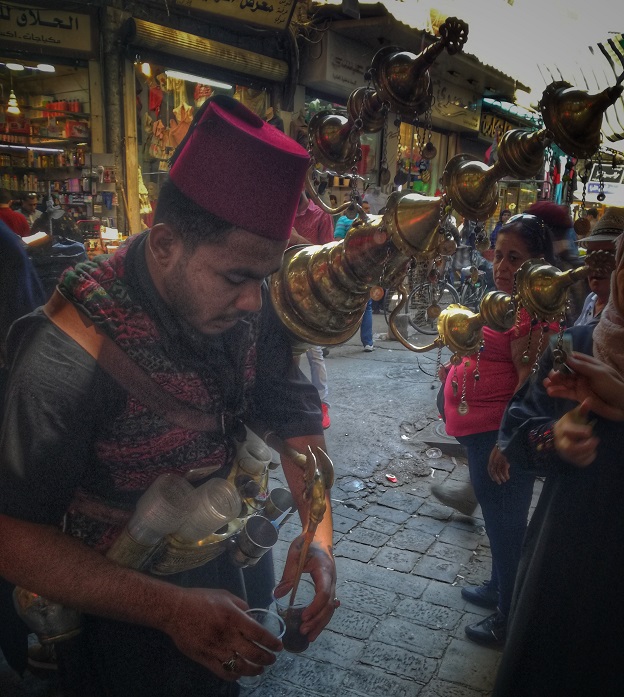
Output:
[[67, 317]]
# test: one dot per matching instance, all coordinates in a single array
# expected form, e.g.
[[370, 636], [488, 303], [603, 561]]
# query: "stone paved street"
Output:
[[402, 557]]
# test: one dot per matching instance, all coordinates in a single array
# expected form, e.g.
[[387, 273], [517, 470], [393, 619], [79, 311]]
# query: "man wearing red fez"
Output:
[[146, 365]]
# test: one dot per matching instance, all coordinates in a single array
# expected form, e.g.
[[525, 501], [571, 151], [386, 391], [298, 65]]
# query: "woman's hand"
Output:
[[498, 467], [443, 371], [574, 439], [593, 382]]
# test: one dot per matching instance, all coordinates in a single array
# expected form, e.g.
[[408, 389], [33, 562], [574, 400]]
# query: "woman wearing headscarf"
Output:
[[566, 628]]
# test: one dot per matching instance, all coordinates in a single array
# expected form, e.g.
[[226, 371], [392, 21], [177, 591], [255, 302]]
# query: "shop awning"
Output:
[[166, 40]]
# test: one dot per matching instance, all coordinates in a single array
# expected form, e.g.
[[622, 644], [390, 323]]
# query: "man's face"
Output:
[[216, 285], [366, 207], [29, 204]]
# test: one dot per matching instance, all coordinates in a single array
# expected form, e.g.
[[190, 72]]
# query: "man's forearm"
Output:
[[46, 561], [294, 475]]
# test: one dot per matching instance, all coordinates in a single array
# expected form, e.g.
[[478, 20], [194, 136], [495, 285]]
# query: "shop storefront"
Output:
[[169, 74], [50, 142]]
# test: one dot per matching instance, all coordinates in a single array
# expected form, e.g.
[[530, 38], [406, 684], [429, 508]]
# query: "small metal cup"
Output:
[[254, 540], [279, 501]]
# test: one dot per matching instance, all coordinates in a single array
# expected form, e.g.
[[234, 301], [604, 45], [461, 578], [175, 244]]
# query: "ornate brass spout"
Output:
[[471, 184], [541, 288], [333, 140], [461, 330], [574, 117], [402, 84], [320, 292]]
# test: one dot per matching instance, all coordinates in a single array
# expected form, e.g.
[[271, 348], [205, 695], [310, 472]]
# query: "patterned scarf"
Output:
[[136, 446]]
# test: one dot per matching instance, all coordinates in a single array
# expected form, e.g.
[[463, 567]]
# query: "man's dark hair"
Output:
[[194, 224], [592, 213], [5, 196]]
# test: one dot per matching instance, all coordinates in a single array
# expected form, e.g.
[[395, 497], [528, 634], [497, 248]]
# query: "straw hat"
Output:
[[608, 228]]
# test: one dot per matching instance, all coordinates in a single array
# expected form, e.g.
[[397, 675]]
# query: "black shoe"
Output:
[[483, 596], [492, 631]]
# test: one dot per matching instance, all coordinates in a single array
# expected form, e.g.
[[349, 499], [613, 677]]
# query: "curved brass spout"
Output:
[[471, 184], [575, 117], [402, 78], [403, 295], [541, 288], [320, 292]]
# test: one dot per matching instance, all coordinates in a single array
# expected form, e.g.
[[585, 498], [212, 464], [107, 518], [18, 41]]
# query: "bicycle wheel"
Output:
[[423, 297], [470, 294]]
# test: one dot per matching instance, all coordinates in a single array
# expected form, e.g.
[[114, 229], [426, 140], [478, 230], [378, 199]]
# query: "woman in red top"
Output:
[[475, 396]]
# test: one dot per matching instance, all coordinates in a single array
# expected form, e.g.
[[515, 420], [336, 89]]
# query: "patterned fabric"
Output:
[[140, 445]]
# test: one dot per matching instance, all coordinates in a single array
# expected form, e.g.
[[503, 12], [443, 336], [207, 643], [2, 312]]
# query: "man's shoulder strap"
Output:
[[116, 362]]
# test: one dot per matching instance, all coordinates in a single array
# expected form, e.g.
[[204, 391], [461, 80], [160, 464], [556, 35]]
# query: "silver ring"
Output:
[[230, 666], [336, 602]]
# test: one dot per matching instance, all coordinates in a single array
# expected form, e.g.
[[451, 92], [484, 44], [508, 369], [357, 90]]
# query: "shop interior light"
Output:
[[15, 66], [146, 69], [46, 68], [13, 106], [200, 80]]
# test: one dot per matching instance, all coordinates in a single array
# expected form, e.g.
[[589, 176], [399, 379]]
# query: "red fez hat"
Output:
[[241, 169]]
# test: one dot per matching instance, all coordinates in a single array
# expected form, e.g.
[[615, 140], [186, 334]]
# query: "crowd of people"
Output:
[[186, 303]]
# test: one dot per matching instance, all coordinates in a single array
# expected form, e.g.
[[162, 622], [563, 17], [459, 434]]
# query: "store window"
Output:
[[167, 100], [416, 159], [45, 133]]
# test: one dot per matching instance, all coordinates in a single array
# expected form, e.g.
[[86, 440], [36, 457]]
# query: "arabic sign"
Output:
[[47, 30], [455, 104], [271, 14]]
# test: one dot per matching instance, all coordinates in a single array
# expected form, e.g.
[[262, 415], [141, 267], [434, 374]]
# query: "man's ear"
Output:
[[165, 245]]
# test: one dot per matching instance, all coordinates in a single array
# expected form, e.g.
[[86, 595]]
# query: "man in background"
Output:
[[15, 221], [314, 226], [29, 208]]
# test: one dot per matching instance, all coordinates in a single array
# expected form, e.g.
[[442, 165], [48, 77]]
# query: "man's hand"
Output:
[[593, 382], [321, 566], [498, 467], [211, 627], [574, 439]]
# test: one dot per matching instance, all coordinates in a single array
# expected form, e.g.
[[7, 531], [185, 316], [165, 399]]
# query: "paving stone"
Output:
[[357, 503], [385, 513], [398, 559], [289, 531], [414, 540], [367, 537], [306, 673], [366, 599], [349, 512], [354, 550], [342, 524], [426, 524], [334, 648], [378, 577], [459, 537], [427, 614], [401, 500], [450, 553], [444, 594], [272, 687], [364, 681], [470, 664], [399, 660], [380, 525], [436, 510], [440, 569], [440, 688], [403, 634], [353, 623]]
